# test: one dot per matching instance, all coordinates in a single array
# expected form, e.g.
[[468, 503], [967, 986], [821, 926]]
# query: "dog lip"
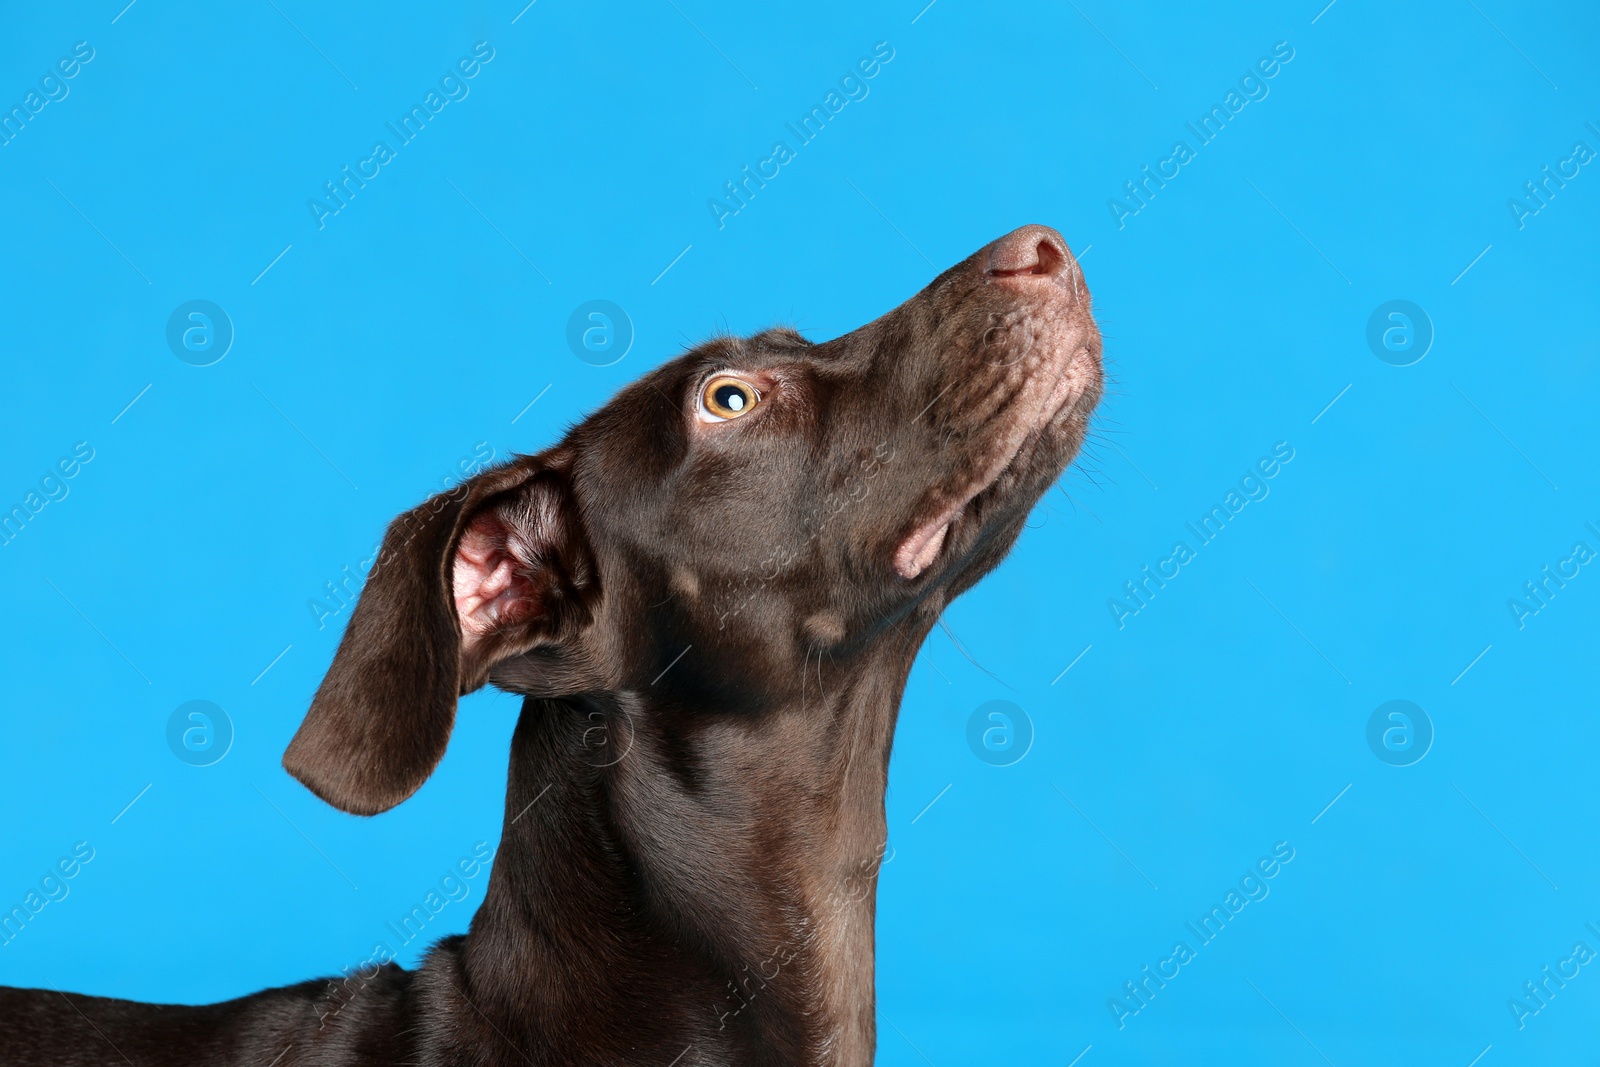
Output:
[[916, 553]]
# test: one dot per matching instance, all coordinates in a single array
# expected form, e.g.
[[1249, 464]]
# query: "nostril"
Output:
[[1033, 250], [1049, 258]]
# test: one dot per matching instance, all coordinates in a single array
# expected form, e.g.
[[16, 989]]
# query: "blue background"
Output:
[[378, 351]]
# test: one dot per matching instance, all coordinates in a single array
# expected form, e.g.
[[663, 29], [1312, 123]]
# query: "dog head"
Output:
[[750, 503]]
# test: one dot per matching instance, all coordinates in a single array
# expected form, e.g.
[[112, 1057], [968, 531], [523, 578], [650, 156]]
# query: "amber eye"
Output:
[[725, 398]]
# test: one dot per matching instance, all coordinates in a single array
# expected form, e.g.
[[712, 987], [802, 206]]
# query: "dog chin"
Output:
[[1038, 457]]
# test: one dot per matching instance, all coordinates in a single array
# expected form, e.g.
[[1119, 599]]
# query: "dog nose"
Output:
[[1035, 249]]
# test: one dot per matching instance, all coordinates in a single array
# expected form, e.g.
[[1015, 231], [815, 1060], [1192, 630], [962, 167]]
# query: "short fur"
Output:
[[711, 625]]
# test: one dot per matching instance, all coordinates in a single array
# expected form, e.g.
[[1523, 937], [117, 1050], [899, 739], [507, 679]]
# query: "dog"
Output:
[[709, 595]]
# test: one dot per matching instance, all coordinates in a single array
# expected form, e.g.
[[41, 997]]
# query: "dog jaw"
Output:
[[1059, 351]]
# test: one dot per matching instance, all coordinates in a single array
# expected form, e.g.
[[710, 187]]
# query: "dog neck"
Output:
[[722, 871]]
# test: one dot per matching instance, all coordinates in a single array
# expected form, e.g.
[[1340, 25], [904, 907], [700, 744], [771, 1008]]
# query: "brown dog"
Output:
[[710, 595]]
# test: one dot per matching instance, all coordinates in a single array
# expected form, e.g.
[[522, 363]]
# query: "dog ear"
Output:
[[492, 568]]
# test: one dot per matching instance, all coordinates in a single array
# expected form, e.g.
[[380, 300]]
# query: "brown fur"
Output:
[[712, 639]]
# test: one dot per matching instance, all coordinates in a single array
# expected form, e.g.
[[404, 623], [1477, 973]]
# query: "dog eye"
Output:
[[725, 397]]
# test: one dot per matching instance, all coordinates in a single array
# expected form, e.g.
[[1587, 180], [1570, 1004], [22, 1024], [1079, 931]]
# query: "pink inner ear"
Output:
[[493, 589]]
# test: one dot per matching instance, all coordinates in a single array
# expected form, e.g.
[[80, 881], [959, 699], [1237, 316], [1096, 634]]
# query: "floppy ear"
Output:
[[492, 568]]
